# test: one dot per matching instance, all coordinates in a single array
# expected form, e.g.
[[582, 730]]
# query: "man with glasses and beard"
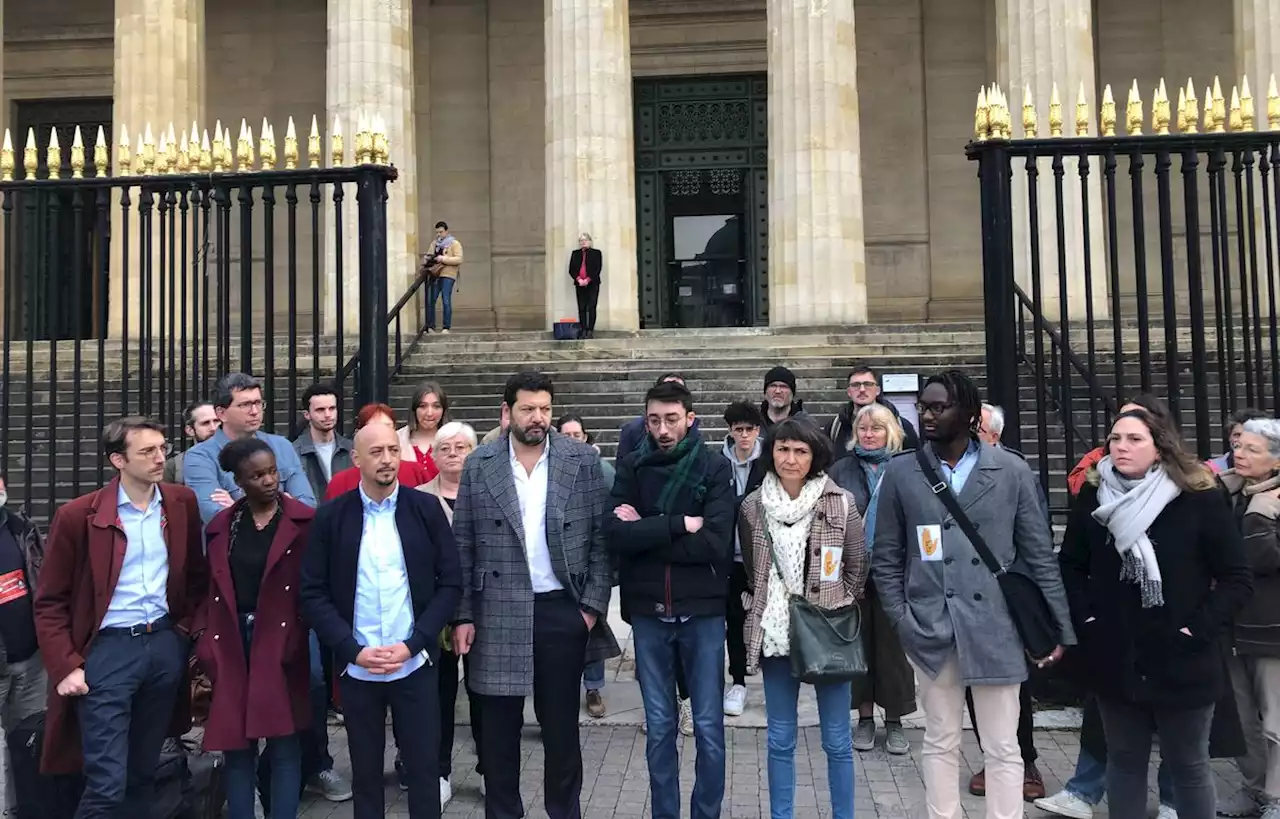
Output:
[[529, 521], [947, 605], [237, 400]]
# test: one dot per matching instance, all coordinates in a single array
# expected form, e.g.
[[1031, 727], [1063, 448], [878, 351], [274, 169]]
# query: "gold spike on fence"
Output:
[[1213, 113]]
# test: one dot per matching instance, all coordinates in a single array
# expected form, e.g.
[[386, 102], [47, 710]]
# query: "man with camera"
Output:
[[441, 264]]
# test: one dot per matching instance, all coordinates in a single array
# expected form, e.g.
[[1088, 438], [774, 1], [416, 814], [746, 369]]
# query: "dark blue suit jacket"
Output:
[[329, 570]]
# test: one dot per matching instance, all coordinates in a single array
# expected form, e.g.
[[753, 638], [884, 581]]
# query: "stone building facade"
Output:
[[782, 162]]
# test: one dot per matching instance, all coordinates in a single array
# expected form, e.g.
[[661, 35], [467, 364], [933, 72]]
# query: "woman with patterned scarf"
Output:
[[813, 527], [890, 682]]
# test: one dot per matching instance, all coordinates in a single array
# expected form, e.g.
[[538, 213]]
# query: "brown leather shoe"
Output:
[[596, 710], [1032, 783], [978, 784]]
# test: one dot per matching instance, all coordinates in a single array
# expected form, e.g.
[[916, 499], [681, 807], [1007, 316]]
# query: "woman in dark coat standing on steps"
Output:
[[585, 265], [1155, 570], [875, 438], [252, 641]]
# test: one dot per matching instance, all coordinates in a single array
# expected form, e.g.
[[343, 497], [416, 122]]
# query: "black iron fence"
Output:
[[133, 294], [1119, 264]]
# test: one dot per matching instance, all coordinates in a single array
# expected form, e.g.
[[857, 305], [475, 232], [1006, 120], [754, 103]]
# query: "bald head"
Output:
[[377, 456]]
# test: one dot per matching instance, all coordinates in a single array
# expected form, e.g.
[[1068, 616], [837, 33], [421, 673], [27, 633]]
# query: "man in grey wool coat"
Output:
[[947, 605]]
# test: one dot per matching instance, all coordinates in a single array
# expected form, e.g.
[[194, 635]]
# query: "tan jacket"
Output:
[[837, 523], [450, 263]]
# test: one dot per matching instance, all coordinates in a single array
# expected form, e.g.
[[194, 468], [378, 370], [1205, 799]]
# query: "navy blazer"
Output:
[[329, 571]]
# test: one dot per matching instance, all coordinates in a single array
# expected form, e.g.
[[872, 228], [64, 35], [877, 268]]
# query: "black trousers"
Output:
[[1026, 739], [559, 654], [415, 716], [587, 298], [735, 620], [449, 702]]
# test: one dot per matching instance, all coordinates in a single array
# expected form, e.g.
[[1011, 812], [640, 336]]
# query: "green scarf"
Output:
[[684, 456]]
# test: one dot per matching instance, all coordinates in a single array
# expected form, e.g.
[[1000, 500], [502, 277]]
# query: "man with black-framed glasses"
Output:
[[863, 390], [237, 401], [946, 605]]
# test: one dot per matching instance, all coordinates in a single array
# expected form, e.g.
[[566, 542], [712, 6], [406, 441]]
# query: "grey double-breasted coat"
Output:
[[497, 592], [954, 604]]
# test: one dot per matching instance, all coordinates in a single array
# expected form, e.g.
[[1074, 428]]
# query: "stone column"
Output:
[[370, 72], [1039, 43], [1257, 35], [159, 79], [817, 251], [590, 154]]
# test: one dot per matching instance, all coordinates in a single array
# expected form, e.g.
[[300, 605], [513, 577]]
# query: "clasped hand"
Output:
[[383, 659]]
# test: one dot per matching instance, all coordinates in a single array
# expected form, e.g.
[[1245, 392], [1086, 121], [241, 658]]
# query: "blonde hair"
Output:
[[585, 235], [879, 413]]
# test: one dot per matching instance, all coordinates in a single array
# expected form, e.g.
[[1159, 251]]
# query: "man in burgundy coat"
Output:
[[124, 571]]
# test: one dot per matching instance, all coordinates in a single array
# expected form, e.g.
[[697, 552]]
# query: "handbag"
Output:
[[826, 644], [1027, 606]]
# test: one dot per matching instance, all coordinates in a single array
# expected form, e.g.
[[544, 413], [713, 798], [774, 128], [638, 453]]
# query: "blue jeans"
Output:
[[285, 755], [701, 652], [593, 676], [1089, 782], [781, 693], [440, 288]]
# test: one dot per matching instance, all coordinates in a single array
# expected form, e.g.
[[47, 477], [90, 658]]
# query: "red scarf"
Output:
[[583, 278]]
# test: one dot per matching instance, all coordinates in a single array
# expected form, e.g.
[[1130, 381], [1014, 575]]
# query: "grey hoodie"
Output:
[[741, 477]]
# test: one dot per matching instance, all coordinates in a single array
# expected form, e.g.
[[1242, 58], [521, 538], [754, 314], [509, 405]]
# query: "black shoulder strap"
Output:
[[948, 498]]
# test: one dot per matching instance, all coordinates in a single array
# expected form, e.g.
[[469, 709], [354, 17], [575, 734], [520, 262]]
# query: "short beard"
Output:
[[526, 436]]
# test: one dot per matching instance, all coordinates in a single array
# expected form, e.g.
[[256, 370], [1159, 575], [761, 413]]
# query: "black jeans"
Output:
[[133, 685], [559, 654], [1184, 747], [449, 702], [415, 716], [1026, 739], [735, 626], [587, 298]]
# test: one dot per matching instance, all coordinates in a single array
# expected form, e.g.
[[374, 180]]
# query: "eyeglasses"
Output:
[[249, 406], [935, 408], [862, 385], [744, 430]]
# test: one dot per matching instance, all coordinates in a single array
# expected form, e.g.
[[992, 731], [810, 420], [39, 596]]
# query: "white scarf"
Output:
[[1128, 507], [788, 521]]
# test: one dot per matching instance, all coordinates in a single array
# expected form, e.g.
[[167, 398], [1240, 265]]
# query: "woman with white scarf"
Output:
[[814, 527], [1155, 570]]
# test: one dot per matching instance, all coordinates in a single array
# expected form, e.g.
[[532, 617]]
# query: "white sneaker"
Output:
[[686, 719], [1065, 803], [735, 702], [444, 332], [446, 792], [1166, 812]]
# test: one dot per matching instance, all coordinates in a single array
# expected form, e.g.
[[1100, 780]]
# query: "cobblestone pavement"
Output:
[[616, 782]]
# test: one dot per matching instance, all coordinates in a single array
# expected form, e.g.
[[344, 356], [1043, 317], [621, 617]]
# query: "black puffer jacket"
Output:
[[663, 570], [797, 411]]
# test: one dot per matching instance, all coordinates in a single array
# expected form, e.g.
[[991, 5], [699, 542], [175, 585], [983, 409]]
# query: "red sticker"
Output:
[[13, 586]]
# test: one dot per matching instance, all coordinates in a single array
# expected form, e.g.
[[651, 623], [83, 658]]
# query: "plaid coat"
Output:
[[837, 523], [498, 594]]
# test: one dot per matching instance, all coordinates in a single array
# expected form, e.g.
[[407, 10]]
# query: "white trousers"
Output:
[[996, 707]]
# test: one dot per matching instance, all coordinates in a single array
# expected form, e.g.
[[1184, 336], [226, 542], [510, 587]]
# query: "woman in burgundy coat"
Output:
[[255, 561]]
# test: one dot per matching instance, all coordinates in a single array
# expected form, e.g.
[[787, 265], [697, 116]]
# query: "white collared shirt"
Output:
[[383, 614], [141, 594], [531, 489]]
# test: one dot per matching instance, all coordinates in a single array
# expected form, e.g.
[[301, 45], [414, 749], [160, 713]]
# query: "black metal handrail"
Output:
[[1096, 391], [393, 317]]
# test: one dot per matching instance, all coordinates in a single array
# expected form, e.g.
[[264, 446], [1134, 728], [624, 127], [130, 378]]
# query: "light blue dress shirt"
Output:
[[201, 472], [383, 606], [964, 467], [141, 594]]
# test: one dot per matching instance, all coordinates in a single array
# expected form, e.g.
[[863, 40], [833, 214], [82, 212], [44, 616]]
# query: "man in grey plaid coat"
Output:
[[529, 523]]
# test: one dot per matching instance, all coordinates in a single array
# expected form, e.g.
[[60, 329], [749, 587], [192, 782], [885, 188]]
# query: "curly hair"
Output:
[[960, 389]]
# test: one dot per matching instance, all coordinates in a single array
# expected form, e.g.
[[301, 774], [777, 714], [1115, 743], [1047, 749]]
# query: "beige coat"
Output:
[[450, 263], [432, 487]]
